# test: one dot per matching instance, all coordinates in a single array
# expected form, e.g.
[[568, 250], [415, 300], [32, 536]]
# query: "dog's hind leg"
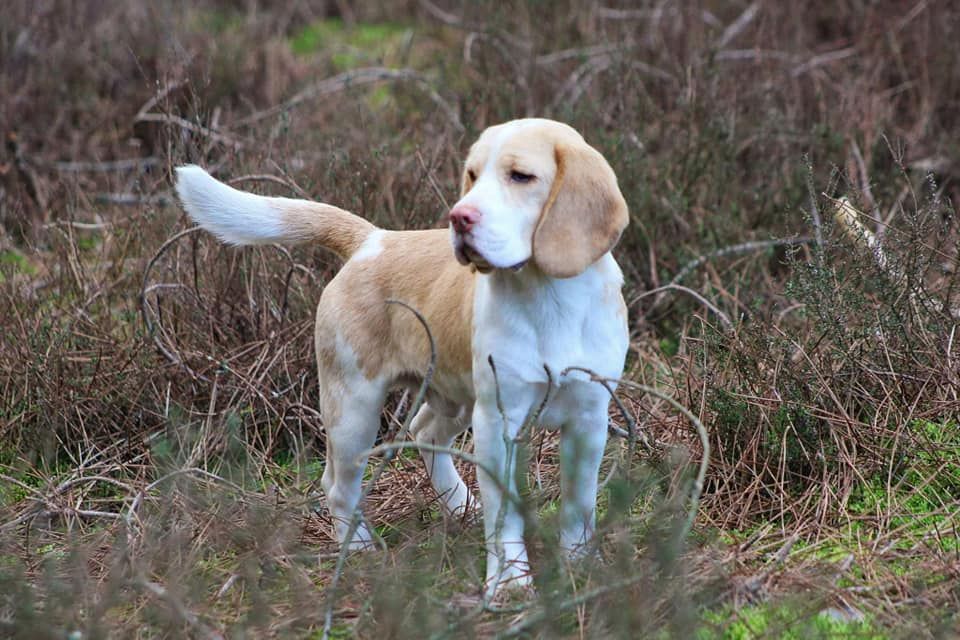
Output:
[[356, 419], [433, 427]]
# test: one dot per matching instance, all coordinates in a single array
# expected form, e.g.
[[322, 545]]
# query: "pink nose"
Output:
[[463, 217]]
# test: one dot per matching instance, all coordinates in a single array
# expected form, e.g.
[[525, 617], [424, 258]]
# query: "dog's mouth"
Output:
[[467, 255]]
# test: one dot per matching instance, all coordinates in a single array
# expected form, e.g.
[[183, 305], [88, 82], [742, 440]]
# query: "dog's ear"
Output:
[[466, 182], [584, 214]]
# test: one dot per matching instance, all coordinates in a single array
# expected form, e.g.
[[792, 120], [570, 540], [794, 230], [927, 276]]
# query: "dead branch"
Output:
[[186, 125], [727, 324], [352, 79]]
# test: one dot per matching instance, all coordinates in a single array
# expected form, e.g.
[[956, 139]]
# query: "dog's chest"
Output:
[[579, 322]]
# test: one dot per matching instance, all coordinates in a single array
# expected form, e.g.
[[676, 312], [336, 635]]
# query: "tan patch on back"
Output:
[[415, 267]]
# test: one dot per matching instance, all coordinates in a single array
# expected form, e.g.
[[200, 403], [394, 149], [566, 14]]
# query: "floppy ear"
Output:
[[584, 214], [465, 182]]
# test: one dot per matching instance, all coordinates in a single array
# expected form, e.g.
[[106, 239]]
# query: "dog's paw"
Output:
[[362, 539], [513, 582], [459, 503], [510, 592], [580, 551]]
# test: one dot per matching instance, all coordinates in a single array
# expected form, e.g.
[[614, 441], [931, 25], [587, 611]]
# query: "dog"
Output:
[[519, 288]]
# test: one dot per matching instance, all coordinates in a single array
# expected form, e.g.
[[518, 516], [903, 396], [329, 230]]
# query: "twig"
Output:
[[555, 607], [754, 584], [755, 245], [392, 447], [579, 53], [433, 182], [822, 59], [125, 164], [453, 21], [138, 499], [728, 325], [32, 183], [578, 81], [356, 78], [814, 214], [178, 608], [751, 54], [83, 226], [267, 177], [160, 95], [145, 314], [183, 123], [737, 26], [866, 189], [133, 199]]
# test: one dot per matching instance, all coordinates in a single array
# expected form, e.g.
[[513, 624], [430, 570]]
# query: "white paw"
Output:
[[362, 539], [514, 580]]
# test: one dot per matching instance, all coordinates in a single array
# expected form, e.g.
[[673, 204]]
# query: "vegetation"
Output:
[[791, 270]]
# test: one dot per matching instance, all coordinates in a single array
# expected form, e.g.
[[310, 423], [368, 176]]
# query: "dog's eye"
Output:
[[522, 178], [472, 175]]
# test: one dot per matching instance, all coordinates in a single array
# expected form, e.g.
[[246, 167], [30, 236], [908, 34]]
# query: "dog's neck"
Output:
[[532, 289], [531, 278]]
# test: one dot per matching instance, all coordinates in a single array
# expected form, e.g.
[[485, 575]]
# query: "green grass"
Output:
[[784, 621], [361, 44]]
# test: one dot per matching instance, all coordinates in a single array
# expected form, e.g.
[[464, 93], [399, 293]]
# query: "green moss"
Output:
[[16, 262], [358, 45], [918, 492], [787, 621], [669, 346]]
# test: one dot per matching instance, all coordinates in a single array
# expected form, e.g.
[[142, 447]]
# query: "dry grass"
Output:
[[159, 439]]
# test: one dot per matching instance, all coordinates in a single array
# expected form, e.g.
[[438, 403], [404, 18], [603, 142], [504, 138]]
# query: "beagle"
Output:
[[523, 277]]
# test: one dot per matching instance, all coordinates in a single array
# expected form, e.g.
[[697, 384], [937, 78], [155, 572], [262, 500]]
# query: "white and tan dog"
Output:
[[529, 281]]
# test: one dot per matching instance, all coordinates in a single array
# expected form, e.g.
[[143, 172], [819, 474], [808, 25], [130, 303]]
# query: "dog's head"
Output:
[[534, 189]]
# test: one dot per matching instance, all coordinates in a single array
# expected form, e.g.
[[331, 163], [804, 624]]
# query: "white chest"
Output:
[[529, 325]]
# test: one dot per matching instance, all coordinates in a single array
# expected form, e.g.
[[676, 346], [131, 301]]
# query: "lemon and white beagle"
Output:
[[529, 280]]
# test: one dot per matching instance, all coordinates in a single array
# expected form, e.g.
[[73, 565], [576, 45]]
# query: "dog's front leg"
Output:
[[582, 442], [494, 434]]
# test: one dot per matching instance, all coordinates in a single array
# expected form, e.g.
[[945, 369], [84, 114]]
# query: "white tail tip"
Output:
[[234, 216]]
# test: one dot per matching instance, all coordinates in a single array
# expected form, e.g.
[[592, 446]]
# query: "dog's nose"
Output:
[[463, 217]]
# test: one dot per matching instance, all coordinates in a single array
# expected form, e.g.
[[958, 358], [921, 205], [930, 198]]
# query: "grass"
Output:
[[160, 447]]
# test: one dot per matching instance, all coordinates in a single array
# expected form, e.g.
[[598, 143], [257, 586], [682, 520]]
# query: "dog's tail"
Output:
[[241, 218]]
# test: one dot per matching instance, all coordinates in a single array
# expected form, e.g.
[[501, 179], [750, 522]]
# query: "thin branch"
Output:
[[728, 325], [351, 79], [738, 25], [554, 608], [145, 310], [866, 189], [138, 499], [183, 123], [745, 247], [393, 447], [125, 164], [267, 177], [451, 20], [179, 608], [822, 59]]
